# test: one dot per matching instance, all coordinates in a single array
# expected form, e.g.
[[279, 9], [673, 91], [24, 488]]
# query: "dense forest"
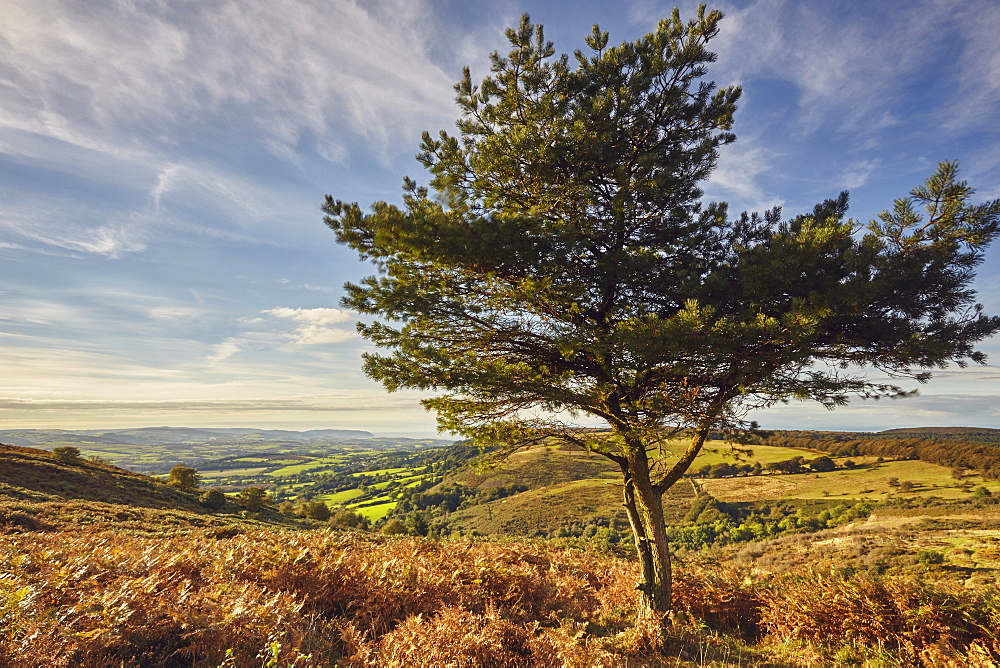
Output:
[[956, 448]]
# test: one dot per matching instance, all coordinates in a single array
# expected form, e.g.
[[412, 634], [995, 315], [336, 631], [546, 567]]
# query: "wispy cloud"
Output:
[[737, 176], [976, 104], [164, 180], [313, 327], [856, 175], [86, 75], [288, 283], [848, 73], [48, 225], [318, 325], [174, 313]]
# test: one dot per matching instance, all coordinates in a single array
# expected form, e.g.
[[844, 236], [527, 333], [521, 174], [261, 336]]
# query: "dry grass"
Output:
[[107, 599], [212, 598]]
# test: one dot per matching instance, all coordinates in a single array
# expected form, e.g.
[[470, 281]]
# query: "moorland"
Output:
[[802, 548]]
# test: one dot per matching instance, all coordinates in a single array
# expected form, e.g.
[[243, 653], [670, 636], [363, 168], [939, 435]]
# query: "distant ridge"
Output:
[[941, 430], [166, 435]]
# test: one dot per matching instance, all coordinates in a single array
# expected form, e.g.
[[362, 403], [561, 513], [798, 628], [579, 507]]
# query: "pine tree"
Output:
[[562, 263]]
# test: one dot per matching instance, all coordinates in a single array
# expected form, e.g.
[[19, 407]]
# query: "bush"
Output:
[[316, 510], [253, 499], [395, 527], [822, 464], [929, 557], [67, 454], [345, 518], [213, 499], [183, 477]]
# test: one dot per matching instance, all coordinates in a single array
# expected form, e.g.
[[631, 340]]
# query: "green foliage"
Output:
[[213, 499], [561, 261], [823, 464], [345, 518], [711, 522], [253, 499], [316, 510], [67, 454], [183, 477], [395, 527], [930, 557]]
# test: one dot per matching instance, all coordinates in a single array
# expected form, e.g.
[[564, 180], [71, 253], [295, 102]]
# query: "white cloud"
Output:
[[164, 181], [737, 176], [105, 76], [856, 174], [316, 325], [226, 349], [849, 64], [48, 224], [174, 313], [314, 316]]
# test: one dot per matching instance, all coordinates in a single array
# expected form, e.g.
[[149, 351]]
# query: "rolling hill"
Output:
[[40, 492]]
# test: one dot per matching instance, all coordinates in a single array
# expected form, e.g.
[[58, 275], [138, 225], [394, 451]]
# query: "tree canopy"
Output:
[[562, 262], [183, 477]]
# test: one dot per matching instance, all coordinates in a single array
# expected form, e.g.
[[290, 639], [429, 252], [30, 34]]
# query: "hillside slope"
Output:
[[40, 492], [38, 475]]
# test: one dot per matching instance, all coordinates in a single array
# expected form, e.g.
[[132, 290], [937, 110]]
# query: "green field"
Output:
[[717, 452], [376, 513], [377, 472], [231, 473], [296, 469], [868, 481], [339, 498]]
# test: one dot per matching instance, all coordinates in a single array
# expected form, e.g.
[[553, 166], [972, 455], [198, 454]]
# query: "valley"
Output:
[[749, 522]]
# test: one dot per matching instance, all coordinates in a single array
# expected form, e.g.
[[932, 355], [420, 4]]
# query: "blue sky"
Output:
[[162, 255]]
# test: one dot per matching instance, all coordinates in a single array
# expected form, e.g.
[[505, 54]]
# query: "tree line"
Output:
[[956, 451]]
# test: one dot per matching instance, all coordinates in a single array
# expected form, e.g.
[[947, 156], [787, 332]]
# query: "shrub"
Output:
[[395, 527], [67, 454], [345, 518], [213, 499], [822, 464], [929, 557], [183, 477], [317, 510], [253, 499]]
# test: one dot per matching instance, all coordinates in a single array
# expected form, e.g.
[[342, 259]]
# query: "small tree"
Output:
[[395, 527], [822, 464], [565, 264], [253, 499], [316, 510], [213, 499], [184, 478], [345, 518], [67, 454]]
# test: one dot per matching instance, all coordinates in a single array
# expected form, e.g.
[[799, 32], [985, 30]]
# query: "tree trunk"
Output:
[[644, 506]]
